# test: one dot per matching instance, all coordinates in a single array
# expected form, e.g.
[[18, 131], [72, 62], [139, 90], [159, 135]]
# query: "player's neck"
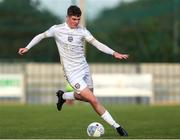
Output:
[[71, 27]]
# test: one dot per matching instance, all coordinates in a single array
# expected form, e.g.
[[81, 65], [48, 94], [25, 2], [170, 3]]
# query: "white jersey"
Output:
[[70, 45]]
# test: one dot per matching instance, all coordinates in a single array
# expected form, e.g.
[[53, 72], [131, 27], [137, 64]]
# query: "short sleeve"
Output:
[[50, 31], [88, 35]]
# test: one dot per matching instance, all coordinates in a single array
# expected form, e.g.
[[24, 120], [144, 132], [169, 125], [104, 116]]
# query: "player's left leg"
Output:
[[82, 87], [99, 108]]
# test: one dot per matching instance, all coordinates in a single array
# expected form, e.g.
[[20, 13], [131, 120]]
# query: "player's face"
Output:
[[73, 21]]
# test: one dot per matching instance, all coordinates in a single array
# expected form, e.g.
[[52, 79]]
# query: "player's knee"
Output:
[[94, 101]]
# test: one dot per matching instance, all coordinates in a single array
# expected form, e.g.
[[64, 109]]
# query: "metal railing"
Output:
[[42, 80]]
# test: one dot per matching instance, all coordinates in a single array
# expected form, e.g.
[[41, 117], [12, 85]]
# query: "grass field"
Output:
[[45, 122]]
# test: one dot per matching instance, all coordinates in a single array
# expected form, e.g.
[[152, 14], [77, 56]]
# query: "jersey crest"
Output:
[[77, 85], [70, 38]]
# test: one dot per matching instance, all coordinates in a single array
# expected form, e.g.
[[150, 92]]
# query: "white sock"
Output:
[[108, 118], [68, 95]]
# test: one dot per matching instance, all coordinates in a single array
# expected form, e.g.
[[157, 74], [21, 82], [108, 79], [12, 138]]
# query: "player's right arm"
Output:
[[33, 42], [37, 39]]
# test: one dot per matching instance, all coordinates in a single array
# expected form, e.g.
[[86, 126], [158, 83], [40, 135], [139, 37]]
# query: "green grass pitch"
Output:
[[45, 122]]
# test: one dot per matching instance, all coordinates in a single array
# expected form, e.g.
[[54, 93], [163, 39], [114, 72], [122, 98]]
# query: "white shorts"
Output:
[[80, 80]]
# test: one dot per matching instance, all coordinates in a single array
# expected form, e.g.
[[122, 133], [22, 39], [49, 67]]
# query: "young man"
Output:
[[69, 38]]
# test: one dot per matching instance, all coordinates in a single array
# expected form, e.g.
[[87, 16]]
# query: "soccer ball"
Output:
[[95, 129]]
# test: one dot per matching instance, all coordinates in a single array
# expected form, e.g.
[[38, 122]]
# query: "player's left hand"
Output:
[[120, 56]]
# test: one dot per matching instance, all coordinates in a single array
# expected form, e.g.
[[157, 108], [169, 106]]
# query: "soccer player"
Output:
[[69, 38]]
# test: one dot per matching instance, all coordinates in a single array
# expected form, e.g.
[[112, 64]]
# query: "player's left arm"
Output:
[[120, 55], [102, 47]]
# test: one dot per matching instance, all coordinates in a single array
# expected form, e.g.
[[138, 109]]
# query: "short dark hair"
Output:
[[73, 10]]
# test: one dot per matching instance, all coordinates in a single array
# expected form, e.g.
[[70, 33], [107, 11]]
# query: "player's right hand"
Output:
[[22, 51]]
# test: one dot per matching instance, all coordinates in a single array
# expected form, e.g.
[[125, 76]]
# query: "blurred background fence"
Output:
[[42, 80]]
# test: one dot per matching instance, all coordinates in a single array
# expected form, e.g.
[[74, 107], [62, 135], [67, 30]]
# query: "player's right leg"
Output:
[[63, 96], [60, 101]]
